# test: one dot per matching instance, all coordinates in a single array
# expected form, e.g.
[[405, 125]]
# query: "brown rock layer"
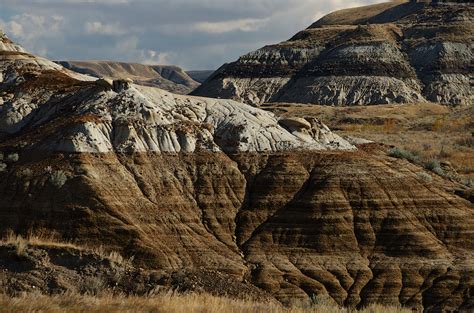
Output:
[[356, 226]]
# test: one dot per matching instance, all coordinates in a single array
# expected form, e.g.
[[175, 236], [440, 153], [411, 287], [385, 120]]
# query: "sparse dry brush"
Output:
[[170, 303], [424, 133], [93, 295], [52, 240]]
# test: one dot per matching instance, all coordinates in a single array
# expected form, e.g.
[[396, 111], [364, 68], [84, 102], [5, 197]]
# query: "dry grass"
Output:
[[430, 131], [47, 239], [357, 15], [37, 240], [170, 302], [94, 299]]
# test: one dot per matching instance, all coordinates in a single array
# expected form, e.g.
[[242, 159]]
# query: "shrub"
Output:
[[432, 164], [3, 167], [439, 171], [18, 242], [93, 286], [426, 177], [403, 154], [438, 125], [13, 157], [469, 182], [58, 178], [466, 142], [435, 167], [389, 126], [26, 172], [113, 256]]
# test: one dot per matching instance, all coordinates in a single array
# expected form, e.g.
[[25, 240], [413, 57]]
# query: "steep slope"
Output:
[[396, 52], [200, 76], [215, 185], [167, 77]]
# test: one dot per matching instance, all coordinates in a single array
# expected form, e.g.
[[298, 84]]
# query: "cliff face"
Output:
[[215, 185], [170, 78], [388, 53]]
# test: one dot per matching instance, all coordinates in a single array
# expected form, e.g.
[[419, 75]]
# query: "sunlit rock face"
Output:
[[387, 53]]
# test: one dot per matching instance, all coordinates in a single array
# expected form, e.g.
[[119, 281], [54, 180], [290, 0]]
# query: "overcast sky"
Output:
[[194, 34]]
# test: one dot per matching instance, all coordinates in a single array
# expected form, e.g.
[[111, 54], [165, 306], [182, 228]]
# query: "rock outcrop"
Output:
[[103, 116], [396, 52], [206, 185], [167, 77]]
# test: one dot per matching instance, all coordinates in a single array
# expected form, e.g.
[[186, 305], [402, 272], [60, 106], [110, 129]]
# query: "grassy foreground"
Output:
[[104, 302], [164, 303]]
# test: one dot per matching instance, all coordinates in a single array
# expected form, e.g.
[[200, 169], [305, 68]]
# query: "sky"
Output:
[[193, 34]]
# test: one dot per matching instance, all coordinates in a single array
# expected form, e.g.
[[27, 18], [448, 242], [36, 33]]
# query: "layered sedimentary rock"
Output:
[[167, 77], [215, 185], [388, 53], [348, 226]]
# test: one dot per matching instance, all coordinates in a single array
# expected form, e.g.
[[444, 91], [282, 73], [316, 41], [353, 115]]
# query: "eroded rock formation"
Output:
[[215, 185], [395, 52]]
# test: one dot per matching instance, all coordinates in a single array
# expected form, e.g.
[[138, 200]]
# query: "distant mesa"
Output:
[[167, 77], [395, 52]]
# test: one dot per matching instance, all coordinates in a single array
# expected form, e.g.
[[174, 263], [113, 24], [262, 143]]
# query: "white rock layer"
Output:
[[141, 119], [119, 116]]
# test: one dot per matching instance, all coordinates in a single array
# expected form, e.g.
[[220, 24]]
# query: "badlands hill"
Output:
[[199, 189], [167, 77], [397, 52]]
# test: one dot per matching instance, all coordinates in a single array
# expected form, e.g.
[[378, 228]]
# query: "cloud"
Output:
[[196, 34], [152, 57], [245, 25], [54, 2], [96, 27], [130, 46], [30, 30]]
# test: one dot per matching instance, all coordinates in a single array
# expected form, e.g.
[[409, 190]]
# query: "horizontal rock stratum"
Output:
[[215, 185], [397, 52]]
